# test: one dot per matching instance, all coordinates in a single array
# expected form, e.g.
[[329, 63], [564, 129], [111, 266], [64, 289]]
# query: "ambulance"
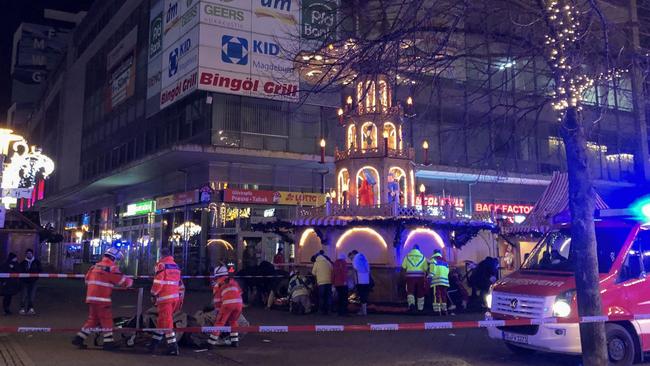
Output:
[[544, 287]]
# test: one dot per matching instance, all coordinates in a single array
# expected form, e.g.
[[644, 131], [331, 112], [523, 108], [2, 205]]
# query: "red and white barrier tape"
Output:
[[66, 275], [320, 328]]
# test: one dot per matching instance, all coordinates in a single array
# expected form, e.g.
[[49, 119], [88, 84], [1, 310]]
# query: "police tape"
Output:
[[81, 276], [326, 328]]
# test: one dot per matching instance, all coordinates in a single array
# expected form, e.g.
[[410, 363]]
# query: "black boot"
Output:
[[155, 341], [79, 342], [172, 349], [172, 346], [110, 346], [234, 339]]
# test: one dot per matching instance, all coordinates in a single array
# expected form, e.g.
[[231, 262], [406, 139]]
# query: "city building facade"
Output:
[[180, 123]]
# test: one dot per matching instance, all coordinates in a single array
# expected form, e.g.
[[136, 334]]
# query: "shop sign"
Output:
[[273, 197], [205, 194], [440, 201], [232, 213], [140, 208], [503, 208], [178, 199]]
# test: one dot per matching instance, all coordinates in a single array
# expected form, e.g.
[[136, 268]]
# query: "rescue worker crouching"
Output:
[[100, 281], [416, 266], [299, 294], [165, 294], [227, 297], [439, 272]]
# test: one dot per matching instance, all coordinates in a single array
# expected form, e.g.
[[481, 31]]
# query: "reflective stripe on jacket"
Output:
[[439, 270], [226, 291], [414, 263], [100, 280], [167, 280]]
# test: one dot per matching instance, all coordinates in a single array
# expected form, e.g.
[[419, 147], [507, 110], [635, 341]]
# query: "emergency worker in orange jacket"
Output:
[[100, 281], [165, 294], [228, 302]]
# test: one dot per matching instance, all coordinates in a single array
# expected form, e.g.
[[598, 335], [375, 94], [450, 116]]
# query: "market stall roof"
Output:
[[554, 203], [348, 220], [28, 221]]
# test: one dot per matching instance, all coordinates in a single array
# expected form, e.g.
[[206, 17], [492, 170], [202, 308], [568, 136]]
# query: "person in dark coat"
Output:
[[9, 286], [29, 265]]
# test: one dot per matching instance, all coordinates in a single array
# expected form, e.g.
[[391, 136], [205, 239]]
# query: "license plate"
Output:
[[515, 338]]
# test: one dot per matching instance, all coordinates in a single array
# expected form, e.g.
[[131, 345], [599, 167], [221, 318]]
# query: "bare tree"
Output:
[[419, 43]]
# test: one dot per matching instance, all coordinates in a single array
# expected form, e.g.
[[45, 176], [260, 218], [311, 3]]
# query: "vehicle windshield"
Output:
[[554, 253]]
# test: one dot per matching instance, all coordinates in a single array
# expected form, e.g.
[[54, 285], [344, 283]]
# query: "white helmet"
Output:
[[114, 253], [220, 271]]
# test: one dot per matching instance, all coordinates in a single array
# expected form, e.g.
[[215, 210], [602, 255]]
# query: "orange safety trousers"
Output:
[[228, 316], [99, 315], [166, 316]]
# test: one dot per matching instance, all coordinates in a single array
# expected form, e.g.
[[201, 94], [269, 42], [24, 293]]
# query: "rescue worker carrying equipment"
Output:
[[100, 280], [439, 271], [165, 294], [416, 267], [227, 300]]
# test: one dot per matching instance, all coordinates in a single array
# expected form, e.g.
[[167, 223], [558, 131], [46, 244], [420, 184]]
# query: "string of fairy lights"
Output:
[[562, 43]]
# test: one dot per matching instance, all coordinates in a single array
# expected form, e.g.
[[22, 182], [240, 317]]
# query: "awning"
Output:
[[553, 203]]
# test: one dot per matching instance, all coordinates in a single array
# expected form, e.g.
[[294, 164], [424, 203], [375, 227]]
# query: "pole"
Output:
[[138, 313], [641, 159]]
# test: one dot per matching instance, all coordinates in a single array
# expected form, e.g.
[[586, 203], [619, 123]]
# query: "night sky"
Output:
[[13, 13]]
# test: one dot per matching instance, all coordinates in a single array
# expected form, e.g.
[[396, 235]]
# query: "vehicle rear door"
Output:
[[632, 279]]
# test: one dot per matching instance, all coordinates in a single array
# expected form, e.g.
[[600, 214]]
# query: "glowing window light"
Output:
[[304, 236], [187, 229], [378, 195], [422, 230], [226, 244], [623, 157], [368, 136], [366, 230]]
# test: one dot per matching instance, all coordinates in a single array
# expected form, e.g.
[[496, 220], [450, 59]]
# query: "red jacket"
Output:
[[166, 283], [100, 280], [340, 273], [226, 291]]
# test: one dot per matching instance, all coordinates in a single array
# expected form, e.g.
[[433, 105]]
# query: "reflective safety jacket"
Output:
[[439, 272], [297, 286], [166, 283], [100, 280], [226, 291], [414, 263]]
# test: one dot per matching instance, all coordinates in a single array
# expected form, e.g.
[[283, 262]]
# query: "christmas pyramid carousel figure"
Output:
[[373, 209]]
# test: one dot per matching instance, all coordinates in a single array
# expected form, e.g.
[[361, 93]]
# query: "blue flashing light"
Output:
[[641, 209]]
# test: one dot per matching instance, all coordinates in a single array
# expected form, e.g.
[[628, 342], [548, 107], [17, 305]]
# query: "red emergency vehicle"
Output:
[[544, 287]]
